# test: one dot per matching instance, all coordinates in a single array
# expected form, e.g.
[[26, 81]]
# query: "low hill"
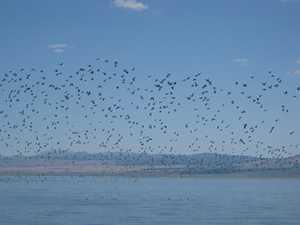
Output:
[[66, 163]]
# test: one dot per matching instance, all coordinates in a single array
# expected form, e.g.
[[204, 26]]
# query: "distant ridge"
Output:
[[66, 163], [142, 158]]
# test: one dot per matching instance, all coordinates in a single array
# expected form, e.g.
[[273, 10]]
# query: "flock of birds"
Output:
[[103, 107]]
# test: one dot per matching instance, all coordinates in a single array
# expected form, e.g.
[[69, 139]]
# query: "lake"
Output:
[[87, 200]]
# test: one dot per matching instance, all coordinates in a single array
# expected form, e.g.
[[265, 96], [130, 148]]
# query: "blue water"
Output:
[[149, 201]]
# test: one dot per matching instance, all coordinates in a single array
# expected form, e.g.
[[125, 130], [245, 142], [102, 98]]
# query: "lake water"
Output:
[[149, 201]]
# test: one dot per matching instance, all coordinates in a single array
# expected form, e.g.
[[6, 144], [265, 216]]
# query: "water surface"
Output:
[[149, 200]]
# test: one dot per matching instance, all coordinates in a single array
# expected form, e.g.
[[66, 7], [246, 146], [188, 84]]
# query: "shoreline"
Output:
[[293, 174]]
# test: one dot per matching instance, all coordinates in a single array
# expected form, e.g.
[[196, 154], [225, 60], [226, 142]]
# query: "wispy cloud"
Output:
[[58, 50], [297, 61], [130, 4], [240, 60], [156, 12], [57, 46], [293, 73]]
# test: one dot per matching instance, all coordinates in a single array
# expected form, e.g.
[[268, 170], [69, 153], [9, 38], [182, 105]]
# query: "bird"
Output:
[[67, 109]]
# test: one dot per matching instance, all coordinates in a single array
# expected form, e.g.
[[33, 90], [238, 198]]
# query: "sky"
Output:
[[239, 47]]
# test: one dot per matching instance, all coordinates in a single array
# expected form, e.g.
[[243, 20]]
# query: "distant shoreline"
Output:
[[18, 172], [205, 165]]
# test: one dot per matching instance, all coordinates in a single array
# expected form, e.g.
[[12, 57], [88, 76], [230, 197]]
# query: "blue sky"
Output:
[[227, 41]]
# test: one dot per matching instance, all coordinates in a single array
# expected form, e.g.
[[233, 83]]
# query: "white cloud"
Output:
[[58, 50], [297, 61], [57, 46], [240, 60], [131, 4]]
